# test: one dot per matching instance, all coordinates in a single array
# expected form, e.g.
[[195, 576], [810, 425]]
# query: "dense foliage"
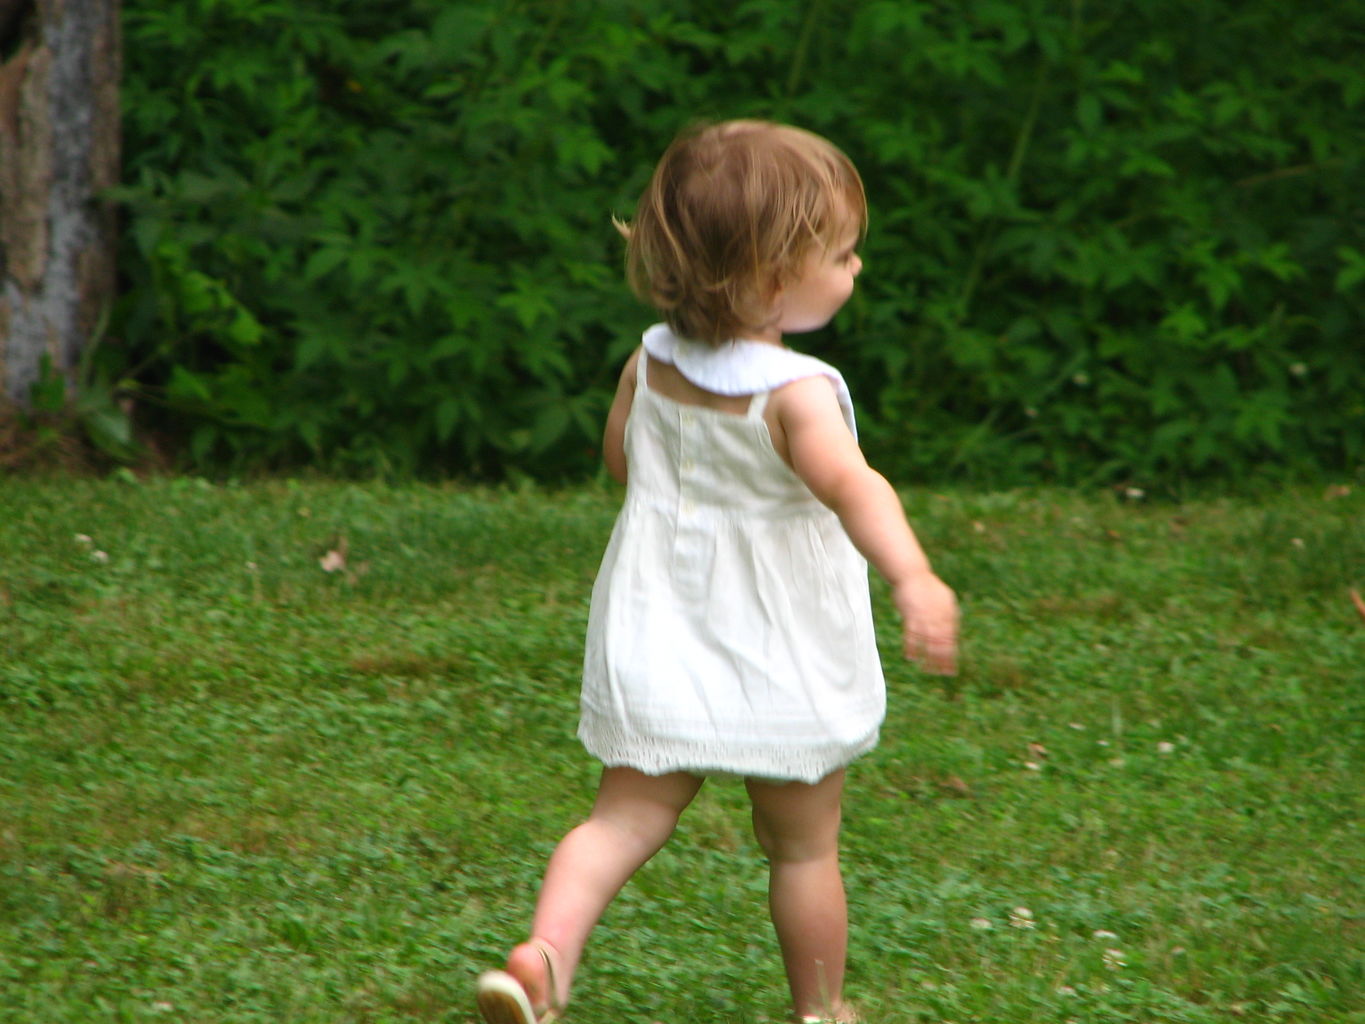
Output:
[[1121, 242]]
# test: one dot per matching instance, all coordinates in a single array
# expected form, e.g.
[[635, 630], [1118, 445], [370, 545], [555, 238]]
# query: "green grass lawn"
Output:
[[235, 786]]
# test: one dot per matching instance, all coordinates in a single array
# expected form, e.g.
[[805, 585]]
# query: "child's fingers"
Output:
[[933, 651], [930, 617]]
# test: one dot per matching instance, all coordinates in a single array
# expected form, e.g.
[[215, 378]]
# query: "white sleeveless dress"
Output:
[[731, 627]]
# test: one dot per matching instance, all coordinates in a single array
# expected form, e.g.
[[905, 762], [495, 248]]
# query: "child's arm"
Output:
[[827, 458], [614, 437]]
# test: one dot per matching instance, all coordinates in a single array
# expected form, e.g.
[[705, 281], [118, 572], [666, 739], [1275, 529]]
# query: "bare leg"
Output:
[[797, 825], [633, 816]]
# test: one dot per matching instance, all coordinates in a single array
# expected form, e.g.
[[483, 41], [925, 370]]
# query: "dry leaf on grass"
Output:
[[955, 786]]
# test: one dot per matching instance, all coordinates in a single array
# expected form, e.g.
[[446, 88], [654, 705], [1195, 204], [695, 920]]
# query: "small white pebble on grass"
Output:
[[1066, 990], [99, 556], [1165, 747], [1021, 917], [1032, 766], [1114, 959], [84, 538], [1104, 933], [981, 924]]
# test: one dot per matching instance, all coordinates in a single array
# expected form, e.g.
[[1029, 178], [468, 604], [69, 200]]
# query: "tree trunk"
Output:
[[59, 146]]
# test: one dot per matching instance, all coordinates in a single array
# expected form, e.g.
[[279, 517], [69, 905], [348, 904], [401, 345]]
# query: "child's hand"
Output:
[[929, 616]]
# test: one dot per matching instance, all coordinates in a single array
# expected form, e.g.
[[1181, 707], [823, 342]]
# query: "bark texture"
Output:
[[59, 146]]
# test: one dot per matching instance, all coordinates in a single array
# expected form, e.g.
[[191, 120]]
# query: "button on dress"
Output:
[[730, 629]]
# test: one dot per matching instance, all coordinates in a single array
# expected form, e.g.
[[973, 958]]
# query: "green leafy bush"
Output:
[[1119, 244], [1133, 237]]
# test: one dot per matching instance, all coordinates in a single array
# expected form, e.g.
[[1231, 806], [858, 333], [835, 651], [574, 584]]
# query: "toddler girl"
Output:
[[730, 630]]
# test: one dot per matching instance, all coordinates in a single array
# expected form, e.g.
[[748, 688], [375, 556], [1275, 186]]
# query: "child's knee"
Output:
[[782, 845], [794, 823], [643, 829]]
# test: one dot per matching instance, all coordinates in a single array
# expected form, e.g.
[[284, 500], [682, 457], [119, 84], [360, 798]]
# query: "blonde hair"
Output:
[[729, 217]]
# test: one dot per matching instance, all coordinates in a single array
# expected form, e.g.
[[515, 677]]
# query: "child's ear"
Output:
[[769, 297], [770, 290], [762, 300]]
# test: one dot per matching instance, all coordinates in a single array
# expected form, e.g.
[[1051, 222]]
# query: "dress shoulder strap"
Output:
[[641, 371], [758, 404]]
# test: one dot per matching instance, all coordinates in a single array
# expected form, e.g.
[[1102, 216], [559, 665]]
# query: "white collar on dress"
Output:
[[742, 367]]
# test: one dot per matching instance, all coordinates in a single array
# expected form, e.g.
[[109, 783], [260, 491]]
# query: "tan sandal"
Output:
[[503, 999]]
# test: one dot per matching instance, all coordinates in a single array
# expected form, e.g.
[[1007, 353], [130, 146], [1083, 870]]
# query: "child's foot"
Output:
[[536, 964], [532, 990], [845, 1014]]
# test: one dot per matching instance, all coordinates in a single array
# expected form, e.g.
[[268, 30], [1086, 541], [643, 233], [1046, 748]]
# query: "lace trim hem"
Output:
[[657, 756]]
